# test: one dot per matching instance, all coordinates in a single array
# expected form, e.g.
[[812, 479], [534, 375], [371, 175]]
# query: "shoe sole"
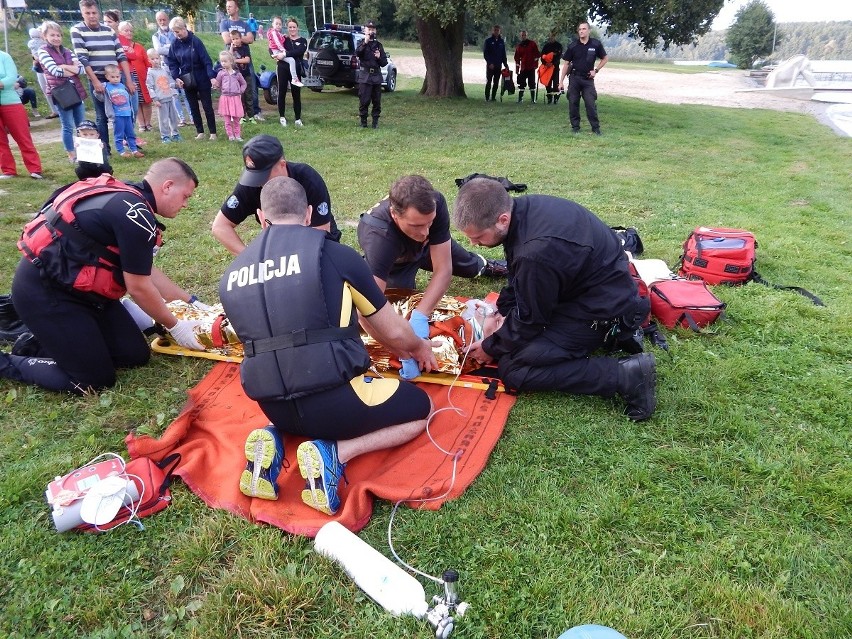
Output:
[[648, 364], [312, 469], [260, 453]]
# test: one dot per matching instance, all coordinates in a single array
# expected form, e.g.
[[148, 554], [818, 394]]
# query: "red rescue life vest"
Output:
[[54, 242]]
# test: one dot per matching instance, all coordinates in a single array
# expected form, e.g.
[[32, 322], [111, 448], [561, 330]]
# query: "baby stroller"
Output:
[[507, 84]]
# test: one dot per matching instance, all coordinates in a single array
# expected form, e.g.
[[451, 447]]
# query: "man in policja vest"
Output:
[[294, 296]]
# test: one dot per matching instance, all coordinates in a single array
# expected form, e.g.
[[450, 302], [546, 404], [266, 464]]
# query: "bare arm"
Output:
[[563, 71], [601, 64], [144, 292], [167, 288], [442, 275], [394, 332], [225, 231]]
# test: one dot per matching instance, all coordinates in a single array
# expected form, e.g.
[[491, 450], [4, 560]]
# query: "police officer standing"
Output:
[[579, 60], [371, 53]]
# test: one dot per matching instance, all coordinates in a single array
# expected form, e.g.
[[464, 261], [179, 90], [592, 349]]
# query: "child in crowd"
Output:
[[233, 86], [279, 52], [27, 95], [118, 98], [161, 88], [34, 44], [242, 58], [87, 130]]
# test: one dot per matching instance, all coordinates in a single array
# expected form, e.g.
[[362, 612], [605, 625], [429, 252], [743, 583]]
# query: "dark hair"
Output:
[[113, 15], [412, 191]]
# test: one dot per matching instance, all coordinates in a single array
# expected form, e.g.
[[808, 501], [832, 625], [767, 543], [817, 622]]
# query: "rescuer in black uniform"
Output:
[[263, 157], [579, 60], [410, 230], [569, 288], [371, 53], [85, 335], [293, 298]]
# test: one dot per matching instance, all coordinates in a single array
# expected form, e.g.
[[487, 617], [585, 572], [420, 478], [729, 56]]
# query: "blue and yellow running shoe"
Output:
[[265, 455], [322, 471]]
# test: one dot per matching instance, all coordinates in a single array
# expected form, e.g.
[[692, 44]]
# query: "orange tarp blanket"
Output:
[[210, 435], [545, 71]]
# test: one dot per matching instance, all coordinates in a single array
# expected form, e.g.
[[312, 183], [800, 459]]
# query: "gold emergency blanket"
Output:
[[450, 334], [214, 331]]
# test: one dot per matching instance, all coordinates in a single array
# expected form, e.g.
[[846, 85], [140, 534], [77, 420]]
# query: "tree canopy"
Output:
[[753, 34], [441, 26]]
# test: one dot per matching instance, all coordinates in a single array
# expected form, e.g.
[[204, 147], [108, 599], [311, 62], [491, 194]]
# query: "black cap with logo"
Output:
[[260, 154]]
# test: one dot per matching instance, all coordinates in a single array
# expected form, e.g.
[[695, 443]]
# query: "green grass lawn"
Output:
[[725, 515]]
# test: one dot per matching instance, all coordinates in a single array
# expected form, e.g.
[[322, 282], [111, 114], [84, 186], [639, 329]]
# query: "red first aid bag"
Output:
[[686, 303], [152, 480], [718, 256]]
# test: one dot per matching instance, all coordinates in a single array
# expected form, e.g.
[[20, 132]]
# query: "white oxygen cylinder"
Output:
[[384, 581]]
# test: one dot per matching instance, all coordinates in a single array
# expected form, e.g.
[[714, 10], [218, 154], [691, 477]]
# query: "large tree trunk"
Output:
[[442, 52]]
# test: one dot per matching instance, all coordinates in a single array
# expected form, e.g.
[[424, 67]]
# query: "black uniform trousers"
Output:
[[465, 264], [81, 343], [558, 359], [368, 92], [579, 86]]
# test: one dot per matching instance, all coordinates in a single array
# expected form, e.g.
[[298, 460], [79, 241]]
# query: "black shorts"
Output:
[[351, 410]]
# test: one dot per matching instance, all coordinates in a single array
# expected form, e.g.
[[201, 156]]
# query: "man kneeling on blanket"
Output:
[[292, 297]]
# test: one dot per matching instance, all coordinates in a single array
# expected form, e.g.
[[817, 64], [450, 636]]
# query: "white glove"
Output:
[[184, 334], [201, 306]]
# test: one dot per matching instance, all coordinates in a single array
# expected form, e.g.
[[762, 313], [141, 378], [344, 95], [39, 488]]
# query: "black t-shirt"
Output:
[[245, 200], [242, 51], [384, 245], [342, 266], [123, 220], [582, 56]]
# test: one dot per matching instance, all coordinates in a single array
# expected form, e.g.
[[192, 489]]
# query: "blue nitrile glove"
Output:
[[410, 370], [420, 323]]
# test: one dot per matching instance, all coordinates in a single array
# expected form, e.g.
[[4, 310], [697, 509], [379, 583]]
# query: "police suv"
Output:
[[332, 59]]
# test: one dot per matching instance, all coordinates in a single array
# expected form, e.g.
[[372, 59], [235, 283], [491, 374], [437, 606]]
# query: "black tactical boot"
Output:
[[494, 268], [375, 122], [520, 96], [26, 346], [364, 122], [11, 325], [637, 385]]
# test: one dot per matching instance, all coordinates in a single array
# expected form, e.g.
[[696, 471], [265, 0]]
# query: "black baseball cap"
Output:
[[260, 154], [371, 24], [87, 125]]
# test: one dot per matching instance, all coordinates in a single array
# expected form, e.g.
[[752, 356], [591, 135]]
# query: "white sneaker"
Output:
[[231, 138], [298, 123], [297, 83], [238, 139], [200, 136], [6, 176], [259, 118], [212, 136], [36, 176], [283, 121]]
